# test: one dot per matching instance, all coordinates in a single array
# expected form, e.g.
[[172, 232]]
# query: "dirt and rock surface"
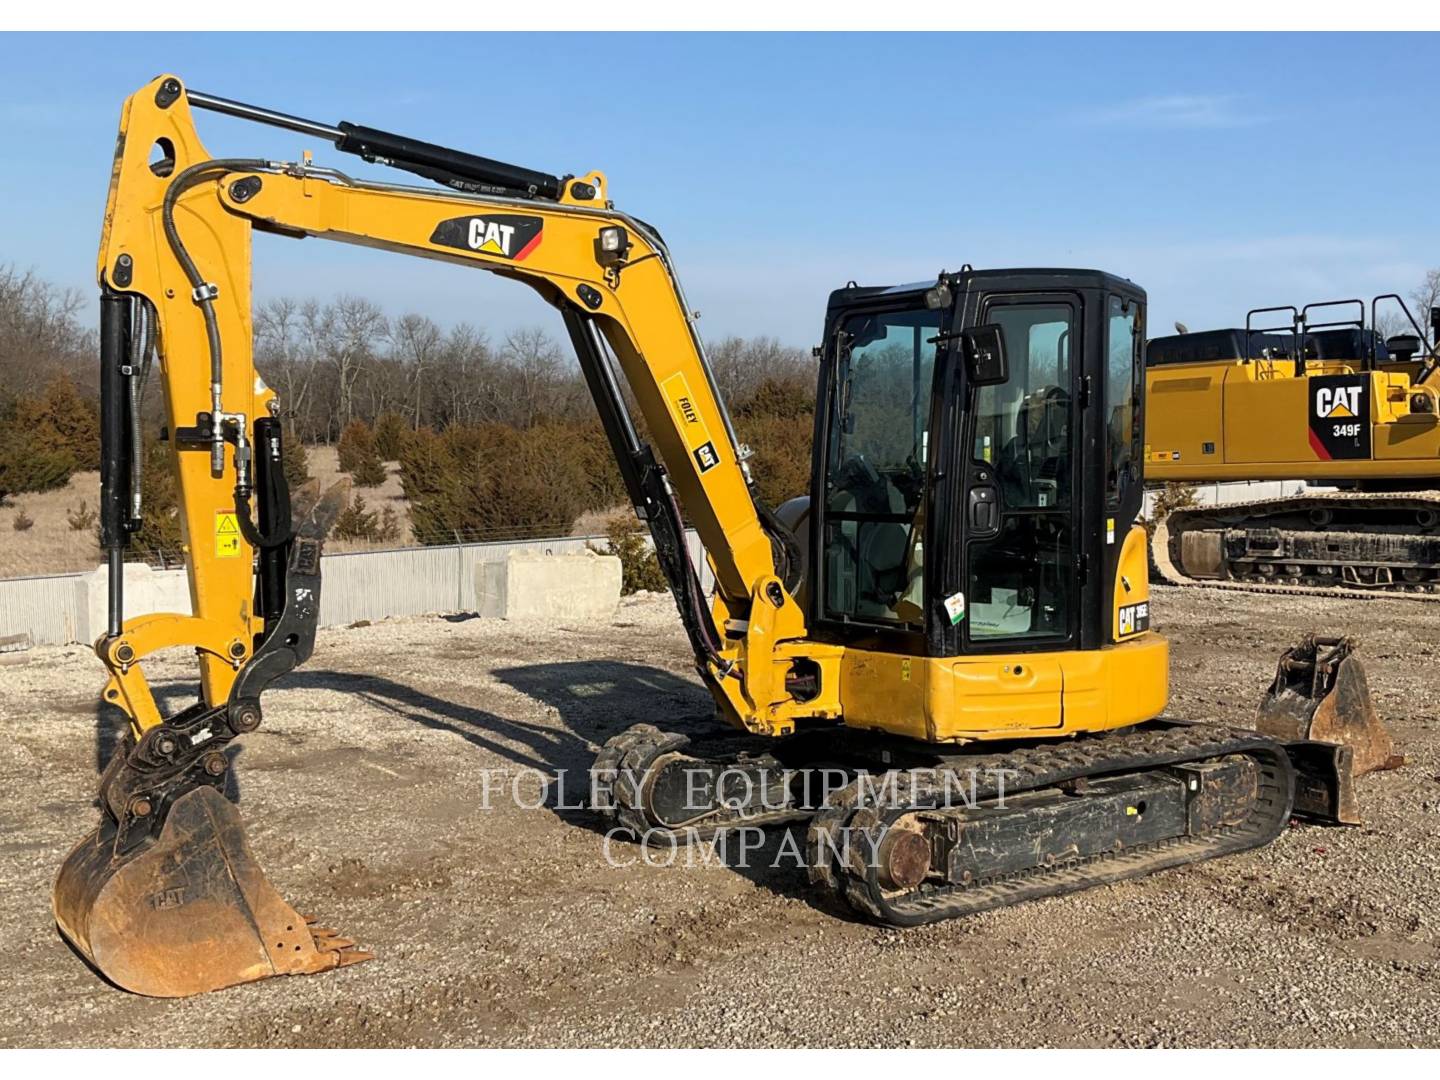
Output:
[[507, 926]]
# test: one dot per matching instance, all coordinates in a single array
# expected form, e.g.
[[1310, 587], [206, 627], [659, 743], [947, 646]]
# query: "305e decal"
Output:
[[1134, 618]]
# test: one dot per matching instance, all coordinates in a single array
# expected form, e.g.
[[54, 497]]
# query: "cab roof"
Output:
[[1026, 279]]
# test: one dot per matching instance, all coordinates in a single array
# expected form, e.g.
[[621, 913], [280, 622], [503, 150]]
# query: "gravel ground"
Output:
[[507, 926]]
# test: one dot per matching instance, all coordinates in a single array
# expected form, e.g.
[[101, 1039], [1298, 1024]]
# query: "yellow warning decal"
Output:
[[227, 535]]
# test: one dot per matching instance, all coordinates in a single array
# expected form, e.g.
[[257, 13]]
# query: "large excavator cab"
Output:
[[1319, 705]]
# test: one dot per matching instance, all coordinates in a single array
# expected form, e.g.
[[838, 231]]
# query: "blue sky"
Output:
[[1221, 172]]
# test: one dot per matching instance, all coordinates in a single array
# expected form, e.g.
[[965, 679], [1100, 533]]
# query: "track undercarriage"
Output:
[[906, 836], [1356, 544]]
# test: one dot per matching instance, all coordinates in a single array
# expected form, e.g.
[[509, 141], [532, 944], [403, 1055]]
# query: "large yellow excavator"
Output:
[[957, 619], [1315, 394]]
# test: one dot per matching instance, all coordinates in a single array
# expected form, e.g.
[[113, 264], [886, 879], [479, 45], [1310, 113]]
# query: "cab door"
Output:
[[1021, 517], [1021, 558]]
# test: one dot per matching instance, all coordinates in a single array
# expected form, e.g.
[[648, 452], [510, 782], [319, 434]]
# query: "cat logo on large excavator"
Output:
[[1335, 402], [1340, 416]]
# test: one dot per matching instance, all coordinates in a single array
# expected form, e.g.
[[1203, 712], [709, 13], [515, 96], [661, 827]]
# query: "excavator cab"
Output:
[[957, 509]]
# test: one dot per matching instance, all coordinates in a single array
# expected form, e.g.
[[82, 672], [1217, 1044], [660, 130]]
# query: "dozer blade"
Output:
[[189, 911], [1319, 705]]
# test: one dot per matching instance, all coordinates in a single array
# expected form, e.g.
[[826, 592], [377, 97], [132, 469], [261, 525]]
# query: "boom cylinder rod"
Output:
[[263, 116], [454, 168]]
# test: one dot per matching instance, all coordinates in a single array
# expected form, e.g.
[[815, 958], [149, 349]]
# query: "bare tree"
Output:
[[417, 346], [355, 327], [463, 390], [742, 364], [1425, 297], [534, 365], [40, 335], [290, 339], [1390, 320]]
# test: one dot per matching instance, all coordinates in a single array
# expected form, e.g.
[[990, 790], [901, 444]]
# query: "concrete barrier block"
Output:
[[560, 588], [147, 591]]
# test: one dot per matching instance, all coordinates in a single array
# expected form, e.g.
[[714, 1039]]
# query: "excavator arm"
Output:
[[181, 243], [174, 270]]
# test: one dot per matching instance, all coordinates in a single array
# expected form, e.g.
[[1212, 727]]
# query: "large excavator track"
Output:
[[1356, 545], [855, 851]]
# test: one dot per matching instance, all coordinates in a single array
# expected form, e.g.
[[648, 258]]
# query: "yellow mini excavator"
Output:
[[957, 618], [1315, 395]]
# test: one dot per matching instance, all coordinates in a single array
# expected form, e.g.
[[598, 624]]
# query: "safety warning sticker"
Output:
[[227, 535]]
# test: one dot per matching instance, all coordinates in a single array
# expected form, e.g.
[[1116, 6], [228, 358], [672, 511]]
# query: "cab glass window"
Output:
[[1022, 427], [1122, 395], [1021, 580], [875, 468]]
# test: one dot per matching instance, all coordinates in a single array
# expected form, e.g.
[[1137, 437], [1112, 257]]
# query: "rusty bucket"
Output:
[[187, 911], [1320, 706]]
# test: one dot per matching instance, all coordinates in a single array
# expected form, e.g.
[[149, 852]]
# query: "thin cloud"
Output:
[[1176, 111]]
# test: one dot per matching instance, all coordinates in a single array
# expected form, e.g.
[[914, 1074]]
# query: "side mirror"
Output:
[[985, 355]]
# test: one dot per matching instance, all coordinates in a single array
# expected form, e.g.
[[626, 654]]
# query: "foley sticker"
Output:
[[227, 535], [955, 607], [1134, 618], [689, 421]]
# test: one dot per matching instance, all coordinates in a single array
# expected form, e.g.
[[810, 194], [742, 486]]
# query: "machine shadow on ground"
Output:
[[597, 699], [591, 700]]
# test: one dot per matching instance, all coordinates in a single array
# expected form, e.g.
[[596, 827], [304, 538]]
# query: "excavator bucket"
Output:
[[164, 898], [1319, 705], [188, 912]]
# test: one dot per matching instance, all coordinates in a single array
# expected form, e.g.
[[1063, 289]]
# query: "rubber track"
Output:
[[619, 774], [855, 881], [1171, 575]]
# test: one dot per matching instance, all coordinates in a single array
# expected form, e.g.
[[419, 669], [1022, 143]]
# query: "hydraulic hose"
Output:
[[691, 595], [204, 294], [142, 347]]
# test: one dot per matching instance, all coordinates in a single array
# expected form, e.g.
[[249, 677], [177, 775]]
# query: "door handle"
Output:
[[984, 510]]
